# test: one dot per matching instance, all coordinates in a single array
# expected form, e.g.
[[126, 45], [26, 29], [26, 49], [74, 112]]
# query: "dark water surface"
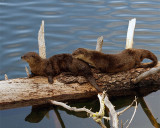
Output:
[[69, 25]]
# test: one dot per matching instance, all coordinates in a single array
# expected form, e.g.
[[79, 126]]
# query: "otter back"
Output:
[[125, 60]]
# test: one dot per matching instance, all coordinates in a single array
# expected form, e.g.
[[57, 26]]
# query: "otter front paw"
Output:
[[31, 75], [50, 79]]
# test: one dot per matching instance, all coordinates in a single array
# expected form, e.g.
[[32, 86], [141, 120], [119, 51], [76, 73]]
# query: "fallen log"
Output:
[[22, 92]]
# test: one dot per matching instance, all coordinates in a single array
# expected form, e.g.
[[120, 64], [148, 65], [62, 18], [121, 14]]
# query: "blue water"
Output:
[[70, 25]]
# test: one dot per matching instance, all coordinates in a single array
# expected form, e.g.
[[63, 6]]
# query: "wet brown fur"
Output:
[[125, 60], [57, 64]]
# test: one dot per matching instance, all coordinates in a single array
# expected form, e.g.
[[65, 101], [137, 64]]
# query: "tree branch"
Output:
[[115, 120], [133, 113], [41, 41], [130, 33], [5, 77], [119, 113], [99, 44], [71, 108], [27, 71], [146, 74]]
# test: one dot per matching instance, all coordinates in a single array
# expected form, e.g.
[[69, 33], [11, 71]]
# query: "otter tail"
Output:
[[149, 55], [92, 81]]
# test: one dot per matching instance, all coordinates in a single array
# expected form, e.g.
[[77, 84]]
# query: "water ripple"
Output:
[[73, 24]]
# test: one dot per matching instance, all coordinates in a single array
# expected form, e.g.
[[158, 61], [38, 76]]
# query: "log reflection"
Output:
[[38, 112], [148, 112]]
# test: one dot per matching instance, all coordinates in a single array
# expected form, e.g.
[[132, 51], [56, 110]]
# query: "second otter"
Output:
[[112, 63], [57, 64]]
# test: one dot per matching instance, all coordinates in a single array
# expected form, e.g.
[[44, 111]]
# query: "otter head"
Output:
[[80, 53], [83, 54], [31, 58]]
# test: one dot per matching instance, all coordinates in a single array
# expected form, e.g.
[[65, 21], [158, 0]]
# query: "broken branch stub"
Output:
[[41, 41], [99, 44], [130, 33], [6, 77], [115, 120], [27, 71], [146, 74]]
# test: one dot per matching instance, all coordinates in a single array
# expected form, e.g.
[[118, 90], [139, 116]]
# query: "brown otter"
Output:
[[56, 64], [112, 63]]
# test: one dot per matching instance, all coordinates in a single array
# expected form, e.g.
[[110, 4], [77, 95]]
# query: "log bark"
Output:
[[22, 92]]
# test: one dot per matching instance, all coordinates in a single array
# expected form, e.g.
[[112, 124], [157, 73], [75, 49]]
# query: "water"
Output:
[[70, 25]]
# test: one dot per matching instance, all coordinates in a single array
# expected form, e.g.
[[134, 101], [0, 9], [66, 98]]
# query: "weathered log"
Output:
[[22, 92]]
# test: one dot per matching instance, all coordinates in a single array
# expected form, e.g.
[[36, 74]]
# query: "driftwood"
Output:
[[41, 41], [32, 91], [130, 33]]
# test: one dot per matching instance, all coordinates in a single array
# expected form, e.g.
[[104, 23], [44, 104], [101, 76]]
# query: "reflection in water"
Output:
[[59, 117], [38, 112], [148, 112]]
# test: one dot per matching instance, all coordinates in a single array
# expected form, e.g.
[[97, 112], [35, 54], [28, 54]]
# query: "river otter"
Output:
[[112, 63], [56, 64]]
